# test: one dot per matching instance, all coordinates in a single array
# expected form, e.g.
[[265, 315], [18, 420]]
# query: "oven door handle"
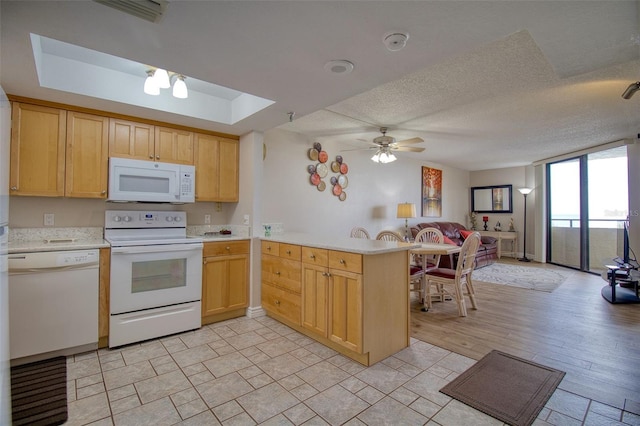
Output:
[[164, 248]]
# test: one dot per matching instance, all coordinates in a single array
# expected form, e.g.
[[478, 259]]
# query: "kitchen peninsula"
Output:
[[350, 294]]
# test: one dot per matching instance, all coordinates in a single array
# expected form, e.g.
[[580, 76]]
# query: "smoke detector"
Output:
[[395, 41]]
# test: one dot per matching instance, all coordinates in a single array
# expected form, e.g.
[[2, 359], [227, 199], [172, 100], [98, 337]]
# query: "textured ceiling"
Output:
[[486, 84]]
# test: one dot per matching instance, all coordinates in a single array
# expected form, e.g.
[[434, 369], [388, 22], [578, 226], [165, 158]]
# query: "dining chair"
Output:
[[359, 232], [457, 278], [389, 236], [430, 235], [416, 273]]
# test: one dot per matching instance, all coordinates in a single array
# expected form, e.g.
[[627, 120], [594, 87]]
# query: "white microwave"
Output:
[[151, 182]]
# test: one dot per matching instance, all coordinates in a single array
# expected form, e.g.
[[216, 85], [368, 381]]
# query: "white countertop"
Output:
[[30, 240], [353, 245], [214, 238]]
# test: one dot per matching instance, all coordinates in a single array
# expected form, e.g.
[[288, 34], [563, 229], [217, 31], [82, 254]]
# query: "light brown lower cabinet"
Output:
[[354, 303], [225, 280]]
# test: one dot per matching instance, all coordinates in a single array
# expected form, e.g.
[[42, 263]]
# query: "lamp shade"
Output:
[[162, 78], [150, 85], [180, 88], [406, 210], [525, 191]]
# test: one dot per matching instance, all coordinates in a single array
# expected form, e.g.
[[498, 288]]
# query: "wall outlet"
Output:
[[246, 219], [207, 218], [49, 219]]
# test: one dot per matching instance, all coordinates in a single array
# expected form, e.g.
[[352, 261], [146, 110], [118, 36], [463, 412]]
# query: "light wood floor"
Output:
[[572, 329]]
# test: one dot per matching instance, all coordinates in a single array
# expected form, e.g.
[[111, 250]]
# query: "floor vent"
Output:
[[149, 10]]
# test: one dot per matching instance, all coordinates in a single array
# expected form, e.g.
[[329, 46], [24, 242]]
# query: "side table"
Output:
[[511, 236]]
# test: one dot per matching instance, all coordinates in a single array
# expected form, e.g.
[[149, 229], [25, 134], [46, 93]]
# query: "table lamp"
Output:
[[405, 211]]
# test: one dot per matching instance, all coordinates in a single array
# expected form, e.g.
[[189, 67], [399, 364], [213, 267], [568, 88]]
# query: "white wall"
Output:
[[633, 157], [519, 177], [373, 191]]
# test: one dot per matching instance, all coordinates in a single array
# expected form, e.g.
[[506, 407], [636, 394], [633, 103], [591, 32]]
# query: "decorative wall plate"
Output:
[[313, 154], [343, 181], [315, 179], [322, 170], [344, 169], [322, 186], [311, 168], [342, 196], [317, 146], [323, 156], [335, 167], [337, 189]]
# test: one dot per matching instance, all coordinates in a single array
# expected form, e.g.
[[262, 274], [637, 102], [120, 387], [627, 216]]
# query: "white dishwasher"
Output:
[[53, 304]]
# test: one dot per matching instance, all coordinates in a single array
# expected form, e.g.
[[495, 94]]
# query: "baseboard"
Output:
[[255, 312]]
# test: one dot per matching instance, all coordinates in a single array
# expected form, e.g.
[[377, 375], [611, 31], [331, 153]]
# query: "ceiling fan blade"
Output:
[[410, 141], [408, 149], [360, 149]]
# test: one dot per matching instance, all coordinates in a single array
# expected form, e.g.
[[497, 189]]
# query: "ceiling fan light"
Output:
[[162, 78], [180, 88], [150, 85]]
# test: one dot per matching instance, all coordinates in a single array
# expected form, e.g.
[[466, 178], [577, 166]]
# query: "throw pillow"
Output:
[[448, 240], [466, 233]]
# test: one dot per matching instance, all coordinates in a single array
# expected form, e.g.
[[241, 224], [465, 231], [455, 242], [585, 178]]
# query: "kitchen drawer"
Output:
[[281, 302], [290, 251], [282, 273], [344, 261], [315, 256], [223, 248], [269, 247]]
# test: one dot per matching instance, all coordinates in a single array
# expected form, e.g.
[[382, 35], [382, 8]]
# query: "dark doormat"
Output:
[[506, 387], [39, 393]]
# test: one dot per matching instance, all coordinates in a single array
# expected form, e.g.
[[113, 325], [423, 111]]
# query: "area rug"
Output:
[[39, 393], [506, 387], [540, 279]]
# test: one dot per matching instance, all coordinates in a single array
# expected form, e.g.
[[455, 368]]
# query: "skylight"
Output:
[[70, 68]]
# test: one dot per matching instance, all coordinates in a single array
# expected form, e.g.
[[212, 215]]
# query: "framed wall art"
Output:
[[431, 192]]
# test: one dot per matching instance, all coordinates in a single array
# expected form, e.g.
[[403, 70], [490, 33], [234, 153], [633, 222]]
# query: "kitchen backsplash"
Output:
[[236, 230], [46, 234]]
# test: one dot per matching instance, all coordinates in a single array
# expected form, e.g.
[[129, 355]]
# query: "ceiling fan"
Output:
[[386, 145]]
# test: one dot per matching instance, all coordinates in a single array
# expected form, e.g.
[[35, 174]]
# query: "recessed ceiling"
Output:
[[75, 69], [486, 84]]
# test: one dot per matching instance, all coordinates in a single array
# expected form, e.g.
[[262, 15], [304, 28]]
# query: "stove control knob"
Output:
[[169, 219], [127, 219], [177, 219], [117, 219]]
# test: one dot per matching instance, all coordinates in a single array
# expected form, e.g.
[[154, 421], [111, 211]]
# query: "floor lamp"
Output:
[[525, 192]]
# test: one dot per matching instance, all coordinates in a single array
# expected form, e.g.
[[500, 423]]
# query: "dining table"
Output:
[[428, 248]]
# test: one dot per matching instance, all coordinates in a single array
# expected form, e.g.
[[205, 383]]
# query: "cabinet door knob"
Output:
[[151, 156], [277, 302], [268, 248], [342, 262], [103, 192], [278, 273], [228, 248], [288, 251], [14, 188], [313, 256], [157, 157]]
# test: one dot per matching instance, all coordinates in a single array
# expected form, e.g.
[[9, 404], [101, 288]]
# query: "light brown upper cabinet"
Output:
[[37, 150], [87, 155], [173, 146], [216, 160], [128, 139], [56, 153]]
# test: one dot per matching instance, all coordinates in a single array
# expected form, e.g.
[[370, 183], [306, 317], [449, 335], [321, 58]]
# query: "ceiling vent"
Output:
[[149, 10]]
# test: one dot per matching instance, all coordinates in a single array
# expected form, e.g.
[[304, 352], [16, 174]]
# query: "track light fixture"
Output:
[[633, 88], [161, 79]]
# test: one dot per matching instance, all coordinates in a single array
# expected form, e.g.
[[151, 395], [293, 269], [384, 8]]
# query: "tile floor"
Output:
[[258, 371]]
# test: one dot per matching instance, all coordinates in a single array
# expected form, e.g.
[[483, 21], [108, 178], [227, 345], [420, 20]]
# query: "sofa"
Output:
[[487, 251]]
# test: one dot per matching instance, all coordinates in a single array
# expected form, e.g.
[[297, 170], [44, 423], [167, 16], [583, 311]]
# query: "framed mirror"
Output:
[[492, 199]]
